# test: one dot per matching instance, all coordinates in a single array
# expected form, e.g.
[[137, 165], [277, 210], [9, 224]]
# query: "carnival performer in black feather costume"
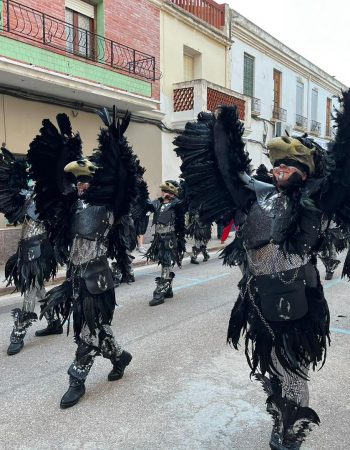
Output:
[[201, 233], [168, 245], [88, 217], [34, 262], [281, 309]]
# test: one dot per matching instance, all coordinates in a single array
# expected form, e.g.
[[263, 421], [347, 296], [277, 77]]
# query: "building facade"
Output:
[[195, 66], [287, 92], [74, 56]]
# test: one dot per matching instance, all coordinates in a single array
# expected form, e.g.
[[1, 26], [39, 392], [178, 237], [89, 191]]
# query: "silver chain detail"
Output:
[[255, 306]]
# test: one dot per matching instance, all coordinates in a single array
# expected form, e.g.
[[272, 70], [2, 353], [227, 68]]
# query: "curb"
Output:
[[61, 278]]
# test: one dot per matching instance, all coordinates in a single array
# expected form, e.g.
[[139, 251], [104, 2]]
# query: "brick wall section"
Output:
[[135, 23]]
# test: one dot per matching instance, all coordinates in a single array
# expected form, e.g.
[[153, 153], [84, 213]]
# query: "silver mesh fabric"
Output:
[[162, 229], [84, 250], [31, 228], [271, 259], [293, 387]]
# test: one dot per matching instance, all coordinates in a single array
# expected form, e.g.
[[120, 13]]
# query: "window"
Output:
[[80, 18], [277, 82], [248, 75], [314, 102], [300, 99], [188, 67]]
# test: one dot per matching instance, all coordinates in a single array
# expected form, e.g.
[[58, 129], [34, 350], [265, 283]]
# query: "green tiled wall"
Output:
[[60, 63]]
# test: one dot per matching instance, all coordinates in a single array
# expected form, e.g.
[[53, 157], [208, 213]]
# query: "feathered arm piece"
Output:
[[335, 197], [141, 206], [336, 193], [212, 153], [13, 179], [49, 152], [114, 183]]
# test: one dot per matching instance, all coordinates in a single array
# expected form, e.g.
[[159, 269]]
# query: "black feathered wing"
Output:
[[50, 151], [335, 194], [115, 182], [13, 180], [212, 154]]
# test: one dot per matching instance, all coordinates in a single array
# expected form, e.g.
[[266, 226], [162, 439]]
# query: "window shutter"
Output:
[[188, 67], [248, 75], [81, 7]]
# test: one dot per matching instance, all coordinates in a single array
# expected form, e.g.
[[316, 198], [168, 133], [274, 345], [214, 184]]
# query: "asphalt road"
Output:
[[185, 388]]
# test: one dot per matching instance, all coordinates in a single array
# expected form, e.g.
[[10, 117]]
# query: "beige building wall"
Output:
[[210, 53], [178, 39], [20, 121]]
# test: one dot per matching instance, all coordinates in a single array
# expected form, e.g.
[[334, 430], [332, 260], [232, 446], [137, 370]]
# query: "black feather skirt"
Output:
[[297, 343], [199, 232], [166, 249], [25, 275], [93, 310]]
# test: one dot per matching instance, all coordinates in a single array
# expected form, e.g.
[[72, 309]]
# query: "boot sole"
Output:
[[11, 353], [156, 304], [70, 404], [39, 334]]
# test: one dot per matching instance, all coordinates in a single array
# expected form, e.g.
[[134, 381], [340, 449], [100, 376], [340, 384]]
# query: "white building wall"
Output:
[[270, 54]]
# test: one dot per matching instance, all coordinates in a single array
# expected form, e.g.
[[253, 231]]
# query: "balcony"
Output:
[[192, 97], [279, 114], [300, 122], [256, 106], [315, 128], [206, 10], [46, 31]]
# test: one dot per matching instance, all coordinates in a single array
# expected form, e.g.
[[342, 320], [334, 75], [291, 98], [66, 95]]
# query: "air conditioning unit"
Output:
[[282, 129]]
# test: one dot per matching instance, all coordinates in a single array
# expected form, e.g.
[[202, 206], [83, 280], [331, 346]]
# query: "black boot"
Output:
[[119, 365], [329, 276], [169, 293], [54, 327], [195, 252], [205, 253], [163, 290], [16, 343], [75, 391], [286, 435], [158, 293], [22, 321]]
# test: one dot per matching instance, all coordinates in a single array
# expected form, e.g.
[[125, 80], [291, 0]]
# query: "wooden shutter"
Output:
[[248, 75]]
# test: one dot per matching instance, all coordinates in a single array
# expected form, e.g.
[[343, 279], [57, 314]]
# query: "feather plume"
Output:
[[13, 180]]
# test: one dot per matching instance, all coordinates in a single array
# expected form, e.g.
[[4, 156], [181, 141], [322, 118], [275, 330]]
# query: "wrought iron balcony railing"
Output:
[[300, 121], [315, 127], [28, 23], [256, 106], [279, 114]]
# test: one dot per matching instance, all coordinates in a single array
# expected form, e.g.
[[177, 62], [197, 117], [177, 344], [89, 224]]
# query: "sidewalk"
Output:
[[140, 260]]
